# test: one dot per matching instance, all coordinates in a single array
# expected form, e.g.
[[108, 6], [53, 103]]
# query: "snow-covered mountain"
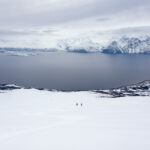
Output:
[[125, 40], [128, 45], [125, 45]]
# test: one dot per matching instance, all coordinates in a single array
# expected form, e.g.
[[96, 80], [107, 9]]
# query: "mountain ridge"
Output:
[[138, 89]]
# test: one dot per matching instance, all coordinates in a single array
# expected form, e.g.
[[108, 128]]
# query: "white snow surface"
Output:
[[31, 119]]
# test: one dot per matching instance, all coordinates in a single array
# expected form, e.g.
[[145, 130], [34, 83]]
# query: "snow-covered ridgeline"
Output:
[[125, 45], [126, 40], [139, 89], [128, 45]]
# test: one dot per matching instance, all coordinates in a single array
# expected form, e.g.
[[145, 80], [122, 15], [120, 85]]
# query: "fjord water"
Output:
[[74, 71]]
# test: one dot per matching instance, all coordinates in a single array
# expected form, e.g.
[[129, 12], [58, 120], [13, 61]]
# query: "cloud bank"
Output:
[[56, 12], [49, 23]]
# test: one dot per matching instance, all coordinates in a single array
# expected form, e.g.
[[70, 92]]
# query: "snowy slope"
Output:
[[31, 119]]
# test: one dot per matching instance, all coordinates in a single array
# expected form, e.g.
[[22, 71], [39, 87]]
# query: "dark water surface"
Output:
[[73, 71]]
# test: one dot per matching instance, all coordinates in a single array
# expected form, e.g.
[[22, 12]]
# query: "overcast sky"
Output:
[[43, 23], [100, 13]]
